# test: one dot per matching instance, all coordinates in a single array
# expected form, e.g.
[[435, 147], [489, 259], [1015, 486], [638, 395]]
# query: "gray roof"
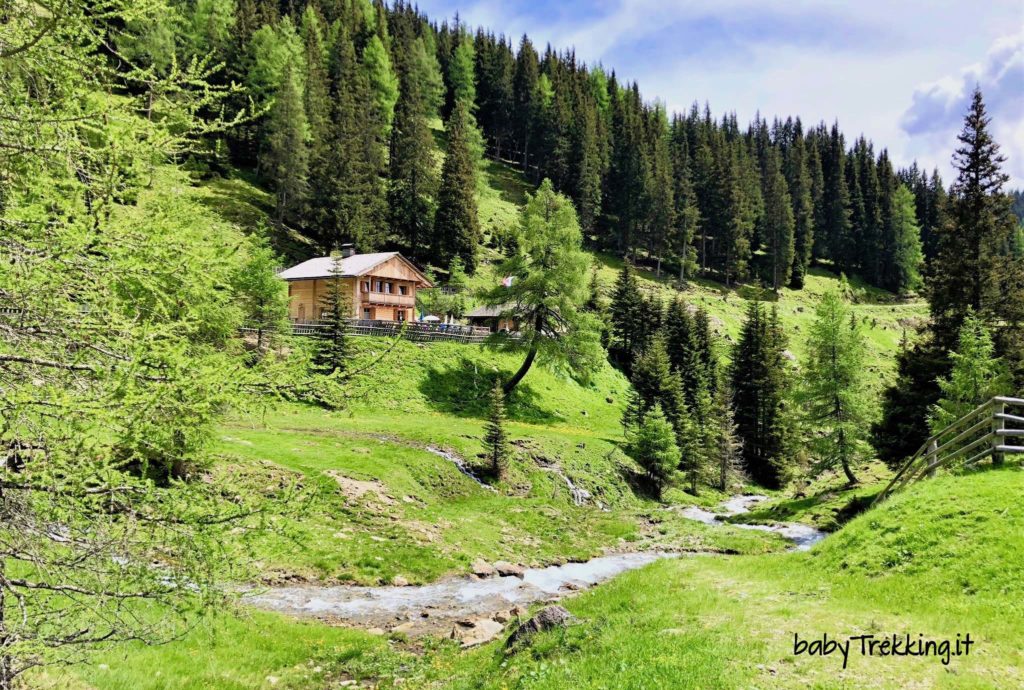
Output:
[[486, 312], [351, 266]]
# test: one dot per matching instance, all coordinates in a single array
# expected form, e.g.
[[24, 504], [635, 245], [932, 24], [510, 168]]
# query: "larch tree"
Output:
[[833, 397], [547, 289], [111, 383], [383, 83], [908, 256], [977, 375]]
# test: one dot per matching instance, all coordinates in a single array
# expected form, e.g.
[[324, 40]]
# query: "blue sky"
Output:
[[900, 72]]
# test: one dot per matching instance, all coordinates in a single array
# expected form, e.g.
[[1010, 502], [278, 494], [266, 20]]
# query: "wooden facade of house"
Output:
[[382, 286]]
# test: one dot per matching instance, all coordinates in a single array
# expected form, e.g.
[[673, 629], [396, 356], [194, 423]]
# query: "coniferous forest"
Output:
[[345, 94], [617, 334]]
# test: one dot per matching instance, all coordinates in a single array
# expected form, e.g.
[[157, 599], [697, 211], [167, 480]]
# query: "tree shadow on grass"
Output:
[[463, 388], [638, 482]]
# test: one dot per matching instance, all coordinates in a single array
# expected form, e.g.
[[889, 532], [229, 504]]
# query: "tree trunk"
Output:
[[514, 381], [848, 473], [6, 671]]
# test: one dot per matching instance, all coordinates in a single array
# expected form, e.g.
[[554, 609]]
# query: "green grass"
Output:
[[940, 559], [695, 622], [433, 519]]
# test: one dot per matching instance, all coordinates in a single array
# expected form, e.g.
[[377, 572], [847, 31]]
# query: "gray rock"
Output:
[[477, 631], [546, 619], [505, 569], [482, 568]]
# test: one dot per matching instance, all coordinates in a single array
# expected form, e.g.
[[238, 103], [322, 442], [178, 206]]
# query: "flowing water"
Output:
[[437, 606], [802, 536], [441, 603]]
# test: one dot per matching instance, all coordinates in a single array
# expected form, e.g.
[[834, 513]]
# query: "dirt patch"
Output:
[[354, 489]]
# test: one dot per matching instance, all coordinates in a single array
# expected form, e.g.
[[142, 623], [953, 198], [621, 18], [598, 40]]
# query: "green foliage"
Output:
[[760, 379], [833, 398], [655, 450], [495, 435], [907, 253], [332, 346], [457, 227], [120, 308], [383, 82], [286, 161], [977, 375], [549, 290], [260, 295]]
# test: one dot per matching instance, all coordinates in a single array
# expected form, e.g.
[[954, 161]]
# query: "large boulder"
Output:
[[546, 619]]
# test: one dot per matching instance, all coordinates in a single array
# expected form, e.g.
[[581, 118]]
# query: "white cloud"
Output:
[[937, 109], [890, 69]]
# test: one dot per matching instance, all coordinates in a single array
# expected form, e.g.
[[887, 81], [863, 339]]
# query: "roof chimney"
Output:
[[347, 250]]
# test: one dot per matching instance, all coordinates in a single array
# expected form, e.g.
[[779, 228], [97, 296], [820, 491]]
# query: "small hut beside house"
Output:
[[498, 319]]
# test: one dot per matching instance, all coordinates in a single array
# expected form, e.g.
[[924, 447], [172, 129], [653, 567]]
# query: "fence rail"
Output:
[[988, 431], [410, 330]]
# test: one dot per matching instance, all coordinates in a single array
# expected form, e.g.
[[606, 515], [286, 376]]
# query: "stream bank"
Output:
[[475, 609]]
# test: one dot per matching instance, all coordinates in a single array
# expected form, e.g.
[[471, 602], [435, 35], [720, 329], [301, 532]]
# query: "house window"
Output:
[[367, 314], [388, 288], [400, 315], [403, 289], [379, 286], [366, 286]]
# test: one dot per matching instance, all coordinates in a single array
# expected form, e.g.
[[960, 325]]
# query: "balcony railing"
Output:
[[387, 299]]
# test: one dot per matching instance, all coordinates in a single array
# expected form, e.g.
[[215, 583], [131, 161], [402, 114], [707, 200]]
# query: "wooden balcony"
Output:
[[383, 299]]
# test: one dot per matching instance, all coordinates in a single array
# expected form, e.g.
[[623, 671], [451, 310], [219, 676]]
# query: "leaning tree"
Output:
[[545, 290]]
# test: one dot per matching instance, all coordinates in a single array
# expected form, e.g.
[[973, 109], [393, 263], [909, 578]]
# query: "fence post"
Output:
[[998, 424], [933, 448]]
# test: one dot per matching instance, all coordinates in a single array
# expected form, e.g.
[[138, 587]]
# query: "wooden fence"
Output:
[[988, 431], [410, 330]]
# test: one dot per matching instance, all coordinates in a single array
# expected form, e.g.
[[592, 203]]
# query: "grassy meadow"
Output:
[[380, 505]]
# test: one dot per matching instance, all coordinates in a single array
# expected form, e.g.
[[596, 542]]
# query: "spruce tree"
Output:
[[627, 313], [655, 383], [654, 448], [332, 350], [968, 269], [495, 434], [777, 224], [456, 225], [412, 177], [798, 178], [835, 212], [759, 380], [346, 196], [286, 159]]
